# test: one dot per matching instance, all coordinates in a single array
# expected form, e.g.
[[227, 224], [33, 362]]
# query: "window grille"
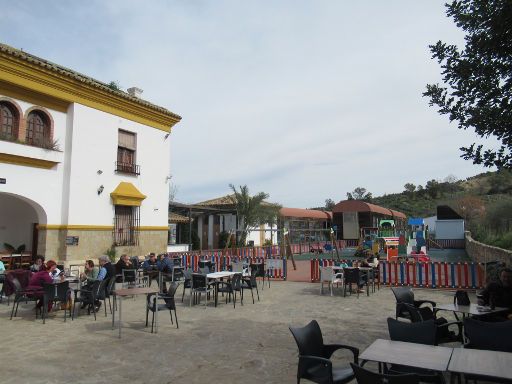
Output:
[[126, 225], [126, 151]]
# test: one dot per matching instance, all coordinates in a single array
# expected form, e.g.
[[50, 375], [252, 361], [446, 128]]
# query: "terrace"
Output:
[[249, 344]]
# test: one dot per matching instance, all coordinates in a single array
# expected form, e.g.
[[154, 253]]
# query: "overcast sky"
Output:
[[304, 100]]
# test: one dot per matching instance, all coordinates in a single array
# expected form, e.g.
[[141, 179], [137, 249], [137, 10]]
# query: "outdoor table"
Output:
[[481, 362], [131, 292], [472, 309], [410, 354], [217, 276]]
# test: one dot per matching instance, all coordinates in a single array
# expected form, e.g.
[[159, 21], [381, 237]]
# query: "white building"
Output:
[[83, 167]]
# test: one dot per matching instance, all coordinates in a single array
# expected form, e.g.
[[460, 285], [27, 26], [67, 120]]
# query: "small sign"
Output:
[[71, 240], [3, 181]]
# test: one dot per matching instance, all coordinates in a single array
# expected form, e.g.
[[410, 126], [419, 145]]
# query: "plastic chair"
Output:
[[168, 304], [405, 295], [364, 376], [420, 333], [54, 293], [200, 285], [86, 297], [327, 275], [129, 278], [353, 276], [494, 336], [187, 282], [250, 283], [314, 356], [20, 294], [231, 288]]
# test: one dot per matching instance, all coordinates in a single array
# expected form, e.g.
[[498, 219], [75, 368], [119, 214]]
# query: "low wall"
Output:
[[483, 253]]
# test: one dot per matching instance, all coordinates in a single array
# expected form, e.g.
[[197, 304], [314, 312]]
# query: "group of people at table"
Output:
[[47, 272]]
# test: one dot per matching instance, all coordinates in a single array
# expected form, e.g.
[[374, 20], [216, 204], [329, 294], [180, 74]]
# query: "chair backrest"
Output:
[[177, 274], [494, 336], [173, 287], [309, 339], [198, 280], [129, 275], [351, 275], [204, 270], [111, 286], [259, 268], [461, 298], [236, 282], [237, 267], [135, 262], [403, 295], [102, 293], [58, 291], [326, 274], [415, 314], [421, 333], [363, 376]]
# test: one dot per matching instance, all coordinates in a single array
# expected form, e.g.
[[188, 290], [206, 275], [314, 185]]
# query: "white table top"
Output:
[[471, 309], [481, 362], [409, 354], [221, 274]]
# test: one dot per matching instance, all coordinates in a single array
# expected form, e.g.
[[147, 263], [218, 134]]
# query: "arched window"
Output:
[[8, 122], [38, 129]]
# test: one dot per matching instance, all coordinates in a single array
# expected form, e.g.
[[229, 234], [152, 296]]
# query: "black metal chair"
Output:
[[353, 276], [444, 334], [129, 277], [200, 285], [187, 282], [53, 293], [21, 294], [260, 272], [494, 336], [405, 295], [421, 333], [364, 376], [86, 297], [314, 356], [250, 282], [231, 288], [168, 304]]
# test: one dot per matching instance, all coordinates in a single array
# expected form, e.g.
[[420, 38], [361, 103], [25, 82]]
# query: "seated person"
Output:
[[90, 272], [123, 263], [151, 267], [499, 294], [38, 262], [2, 273], [39, 278]]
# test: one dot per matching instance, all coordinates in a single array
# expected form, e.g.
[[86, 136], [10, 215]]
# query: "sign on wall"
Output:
[[3, 181], [71, 240]]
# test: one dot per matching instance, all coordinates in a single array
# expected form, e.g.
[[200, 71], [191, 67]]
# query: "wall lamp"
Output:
[[99, 172], [100, 189]]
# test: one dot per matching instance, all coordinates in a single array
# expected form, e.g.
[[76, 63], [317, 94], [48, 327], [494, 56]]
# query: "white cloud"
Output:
[[305, 100]]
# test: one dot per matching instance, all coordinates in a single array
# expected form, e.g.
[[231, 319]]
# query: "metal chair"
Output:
[[314, 356], [353, 276], [200, 285], [364, 376], [168, 304], [86, 297], [231, 288], [53, 293], [251, 283], [405, 295], [21, 294]]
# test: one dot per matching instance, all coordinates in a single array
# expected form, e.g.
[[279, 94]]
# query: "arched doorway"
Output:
[[18, 222]]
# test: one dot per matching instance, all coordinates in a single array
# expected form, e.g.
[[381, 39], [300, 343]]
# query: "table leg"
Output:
[[120, 304], [113, 310], [156, 314]]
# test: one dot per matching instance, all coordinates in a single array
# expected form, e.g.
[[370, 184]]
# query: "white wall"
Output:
[[450, 229], [94, 147], [43, 186]]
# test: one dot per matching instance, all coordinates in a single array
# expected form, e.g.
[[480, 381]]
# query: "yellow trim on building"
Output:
[[26, 161], [127, 194], [76, 227], [32, 97], [59, 85], [153, 228]]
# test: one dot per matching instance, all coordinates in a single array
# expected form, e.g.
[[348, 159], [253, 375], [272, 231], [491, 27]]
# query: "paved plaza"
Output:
[[248, 344]]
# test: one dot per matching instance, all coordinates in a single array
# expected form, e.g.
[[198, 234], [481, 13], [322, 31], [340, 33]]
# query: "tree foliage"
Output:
[[252, 210], [478, 79], [329, 204], [359, 193]]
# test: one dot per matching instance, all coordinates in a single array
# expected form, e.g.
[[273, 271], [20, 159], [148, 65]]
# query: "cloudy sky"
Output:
[[304, 100]]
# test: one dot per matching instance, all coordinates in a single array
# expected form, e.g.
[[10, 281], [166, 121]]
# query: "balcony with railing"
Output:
[[129, 168]]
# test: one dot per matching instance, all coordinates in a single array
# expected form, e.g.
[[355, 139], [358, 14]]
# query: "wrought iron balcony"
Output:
[[130, 168]]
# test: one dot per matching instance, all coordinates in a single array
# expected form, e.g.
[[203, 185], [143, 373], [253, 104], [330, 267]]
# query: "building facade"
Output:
[[83, 167]]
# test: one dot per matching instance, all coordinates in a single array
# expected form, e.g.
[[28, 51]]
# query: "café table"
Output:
[[469, 310], [410, 354], [481, 362], [131, 292], [218, 276]]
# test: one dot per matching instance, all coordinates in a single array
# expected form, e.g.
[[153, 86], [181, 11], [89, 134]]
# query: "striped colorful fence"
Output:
[[276, 267], [433, 274], [422, 275]]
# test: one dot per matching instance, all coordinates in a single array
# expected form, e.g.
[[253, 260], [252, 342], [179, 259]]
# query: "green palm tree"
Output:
[[253, 210]]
